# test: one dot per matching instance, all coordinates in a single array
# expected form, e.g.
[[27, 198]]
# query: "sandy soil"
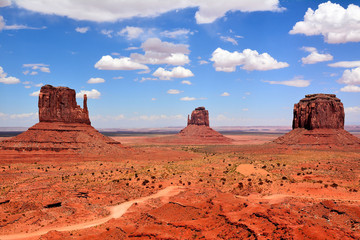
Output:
[[238, 191]]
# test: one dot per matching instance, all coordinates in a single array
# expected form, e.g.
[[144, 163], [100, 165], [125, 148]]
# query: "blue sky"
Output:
[[150, 63]]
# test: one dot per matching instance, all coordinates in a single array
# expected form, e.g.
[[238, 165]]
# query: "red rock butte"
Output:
[[64, 127], [319, 121], [198, 129]]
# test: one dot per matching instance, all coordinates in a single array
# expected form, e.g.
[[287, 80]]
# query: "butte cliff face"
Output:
[[319, 121], [318, 111], [58, 104], [64, 127], [199, 117]]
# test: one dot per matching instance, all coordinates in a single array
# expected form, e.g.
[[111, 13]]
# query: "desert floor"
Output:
[[250, 189]]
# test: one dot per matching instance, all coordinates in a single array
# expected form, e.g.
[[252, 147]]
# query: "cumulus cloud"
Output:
[[125, 63], [295, 82], [2, 23], [314, 56], [188, 99], [351, 77], [174, 91], [107, 33], [202, 62], [177, 72], [119, 77], [345, 64], [229, 39], [103, 11], [176, 34], [187, 82], [96, 80], [7, 80], [5, 3], [336, 24], [350, 88], [248, 60], [159, 52], [352, 110], [36, 67], [82, 29], [35, 94], [225, 94], [131, 32], [94, 94]]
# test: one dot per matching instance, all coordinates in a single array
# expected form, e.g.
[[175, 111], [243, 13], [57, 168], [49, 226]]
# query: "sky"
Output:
[[149, 63]]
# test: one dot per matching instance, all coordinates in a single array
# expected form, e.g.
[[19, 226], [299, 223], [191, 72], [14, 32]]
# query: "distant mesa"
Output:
[[319, 121], [64, 127], [197, 131]]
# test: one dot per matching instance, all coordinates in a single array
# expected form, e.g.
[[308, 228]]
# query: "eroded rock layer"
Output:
[[64, 127], [199, 117], [62, 137], [319, 111], [58, 104], [319, 121]]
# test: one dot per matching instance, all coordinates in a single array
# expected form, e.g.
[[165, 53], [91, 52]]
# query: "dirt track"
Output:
[[116, 212]]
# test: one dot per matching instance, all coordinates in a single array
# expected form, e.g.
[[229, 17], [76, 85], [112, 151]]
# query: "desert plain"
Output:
[[249, 189]]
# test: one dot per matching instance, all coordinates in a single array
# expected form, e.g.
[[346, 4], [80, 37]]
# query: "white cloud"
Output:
[[27, 86], [351, 77], [39, 85], [82, 29], [245, 109], [158, 52], [295, 82], [107, 33], [108, 11], [248, 60], [352, 110], [120, 77], [23, 115], [35, 94], [314, 56], [131, 32], [345, 64], [188, 99], [350, 88], [186, 82], [202, 62], [125, 63], [7, 80], [174, 91], [225, 94], [94, 94], [36, 66], [2, 23], [158, 117], [336, 24], [5, 3], [176, 34], [177, 72], [143, 79], [229, 39], [95, 80], [153, 99]]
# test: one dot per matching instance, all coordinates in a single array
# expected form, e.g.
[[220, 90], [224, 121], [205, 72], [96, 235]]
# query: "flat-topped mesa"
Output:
[[319, 111], [199, 117], [58, 104]]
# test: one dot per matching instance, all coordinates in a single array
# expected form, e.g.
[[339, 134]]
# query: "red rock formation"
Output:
[[58, 104], [199, 117], [64, 127], [319, 121], [319, 111]]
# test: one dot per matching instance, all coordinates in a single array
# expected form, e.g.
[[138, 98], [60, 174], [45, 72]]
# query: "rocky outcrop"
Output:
[[319, 111], [64, 127], [58, 104], [199, 117], [319, 121]]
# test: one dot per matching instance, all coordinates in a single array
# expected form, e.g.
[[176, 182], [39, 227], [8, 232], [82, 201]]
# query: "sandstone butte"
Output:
[[198, 129], [63, 127], [319, 121]]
